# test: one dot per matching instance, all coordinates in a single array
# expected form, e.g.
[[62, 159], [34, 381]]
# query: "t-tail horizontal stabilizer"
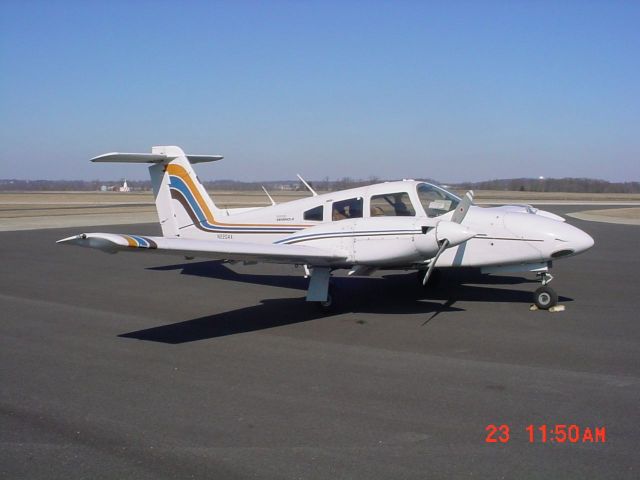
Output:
[[157, 155]]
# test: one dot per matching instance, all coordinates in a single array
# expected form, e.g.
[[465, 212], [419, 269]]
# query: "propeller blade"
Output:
[[463, 208], [443, 246]]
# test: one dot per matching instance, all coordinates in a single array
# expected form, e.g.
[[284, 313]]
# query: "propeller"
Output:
[[463, 207], [452, 232]]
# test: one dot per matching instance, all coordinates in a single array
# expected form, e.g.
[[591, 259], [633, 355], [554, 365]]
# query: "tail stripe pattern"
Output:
[[184, 191]]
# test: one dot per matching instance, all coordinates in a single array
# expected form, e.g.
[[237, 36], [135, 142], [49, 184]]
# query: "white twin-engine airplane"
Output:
[[393, 225]]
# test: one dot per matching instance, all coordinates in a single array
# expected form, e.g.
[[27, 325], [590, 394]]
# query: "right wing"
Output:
[[216, 249]]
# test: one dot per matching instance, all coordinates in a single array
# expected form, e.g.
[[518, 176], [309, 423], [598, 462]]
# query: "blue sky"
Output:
[[449, 90]]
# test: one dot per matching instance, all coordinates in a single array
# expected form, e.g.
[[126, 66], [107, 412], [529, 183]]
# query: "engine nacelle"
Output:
[[427, 243], [455, 233]]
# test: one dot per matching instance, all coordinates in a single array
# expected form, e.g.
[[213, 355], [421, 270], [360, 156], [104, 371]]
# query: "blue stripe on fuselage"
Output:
[[311, 236]]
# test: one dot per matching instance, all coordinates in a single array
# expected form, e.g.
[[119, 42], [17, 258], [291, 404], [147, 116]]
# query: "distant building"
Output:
[[124, 187]]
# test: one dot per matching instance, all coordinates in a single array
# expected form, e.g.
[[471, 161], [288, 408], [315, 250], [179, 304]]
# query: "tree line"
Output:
[[570, 185]]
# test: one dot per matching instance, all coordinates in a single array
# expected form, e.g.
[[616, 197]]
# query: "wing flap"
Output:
[[216, 249]]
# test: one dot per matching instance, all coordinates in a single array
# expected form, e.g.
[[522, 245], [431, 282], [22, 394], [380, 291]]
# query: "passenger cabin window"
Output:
[[315, 214], [392, 205], [435, 200], [351, 208]]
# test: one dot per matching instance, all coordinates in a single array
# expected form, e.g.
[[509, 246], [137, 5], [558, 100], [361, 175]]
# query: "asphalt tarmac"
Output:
[[149, 366]]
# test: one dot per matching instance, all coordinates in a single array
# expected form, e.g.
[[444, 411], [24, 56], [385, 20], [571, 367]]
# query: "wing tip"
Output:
[[73, 238]]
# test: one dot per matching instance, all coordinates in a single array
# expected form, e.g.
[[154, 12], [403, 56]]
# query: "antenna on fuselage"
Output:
[[307, 185], [267, 193]]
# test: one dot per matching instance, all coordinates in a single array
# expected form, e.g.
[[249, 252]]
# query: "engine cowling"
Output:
[[455, 233], [429, 243]]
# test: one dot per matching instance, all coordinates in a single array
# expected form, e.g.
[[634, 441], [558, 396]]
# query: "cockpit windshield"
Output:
[[435, 200]]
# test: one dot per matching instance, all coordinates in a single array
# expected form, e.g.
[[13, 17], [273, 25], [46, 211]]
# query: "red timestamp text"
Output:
[[557, 433]]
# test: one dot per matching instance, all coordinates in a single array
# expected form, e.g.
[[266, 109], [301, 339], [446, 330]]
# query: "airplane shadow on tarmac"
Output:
[[393, 294]]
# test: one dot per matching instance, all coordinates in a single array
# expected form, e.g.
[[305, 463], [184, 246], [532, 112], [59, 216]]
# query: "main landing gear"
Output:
[[545, 297], [320, 291], [329, 304]]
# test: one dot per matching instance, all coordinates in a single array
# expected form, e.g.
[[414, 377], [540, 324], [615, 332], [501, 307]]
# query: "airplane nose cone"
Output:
[[581, 240], [571, 241], [554, 239]]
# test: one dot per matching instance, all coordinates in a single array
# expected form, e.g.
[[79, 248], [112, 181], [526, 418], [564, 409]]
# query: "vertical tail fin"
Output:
[[181, 200]]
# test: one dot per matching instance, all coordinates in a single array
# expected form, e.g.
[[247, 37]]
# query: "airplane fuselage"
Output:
[[512, 235]]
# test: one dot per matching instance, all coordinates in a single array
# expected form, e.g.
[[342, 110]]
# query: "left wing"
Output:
[[216, 249]]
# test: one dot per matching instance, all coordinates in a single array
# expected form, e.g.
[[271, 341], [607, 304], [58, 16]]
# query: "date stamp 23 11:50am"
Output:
[[558, 433]]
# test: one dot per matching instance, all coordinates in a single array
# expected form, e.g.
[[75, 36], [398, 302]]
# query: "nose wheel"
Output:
[[545, 297]]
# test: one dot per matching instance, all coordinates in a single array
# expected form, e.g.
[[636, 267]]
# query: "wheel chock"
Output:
[[554, 309]]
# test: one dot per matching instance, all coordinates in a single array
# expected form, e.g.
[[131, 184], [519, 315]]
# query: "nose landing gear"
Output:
[[545, 297]]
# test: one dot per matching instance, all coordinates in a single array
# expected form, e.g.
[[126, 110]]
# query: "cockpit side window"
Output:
[[351, 208], [435, 200], [315, 214], [391, 205]]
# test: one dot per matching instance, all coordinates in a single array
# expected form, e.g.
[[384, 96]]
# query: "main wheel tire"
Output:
[[545, 297], [329, 304]]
